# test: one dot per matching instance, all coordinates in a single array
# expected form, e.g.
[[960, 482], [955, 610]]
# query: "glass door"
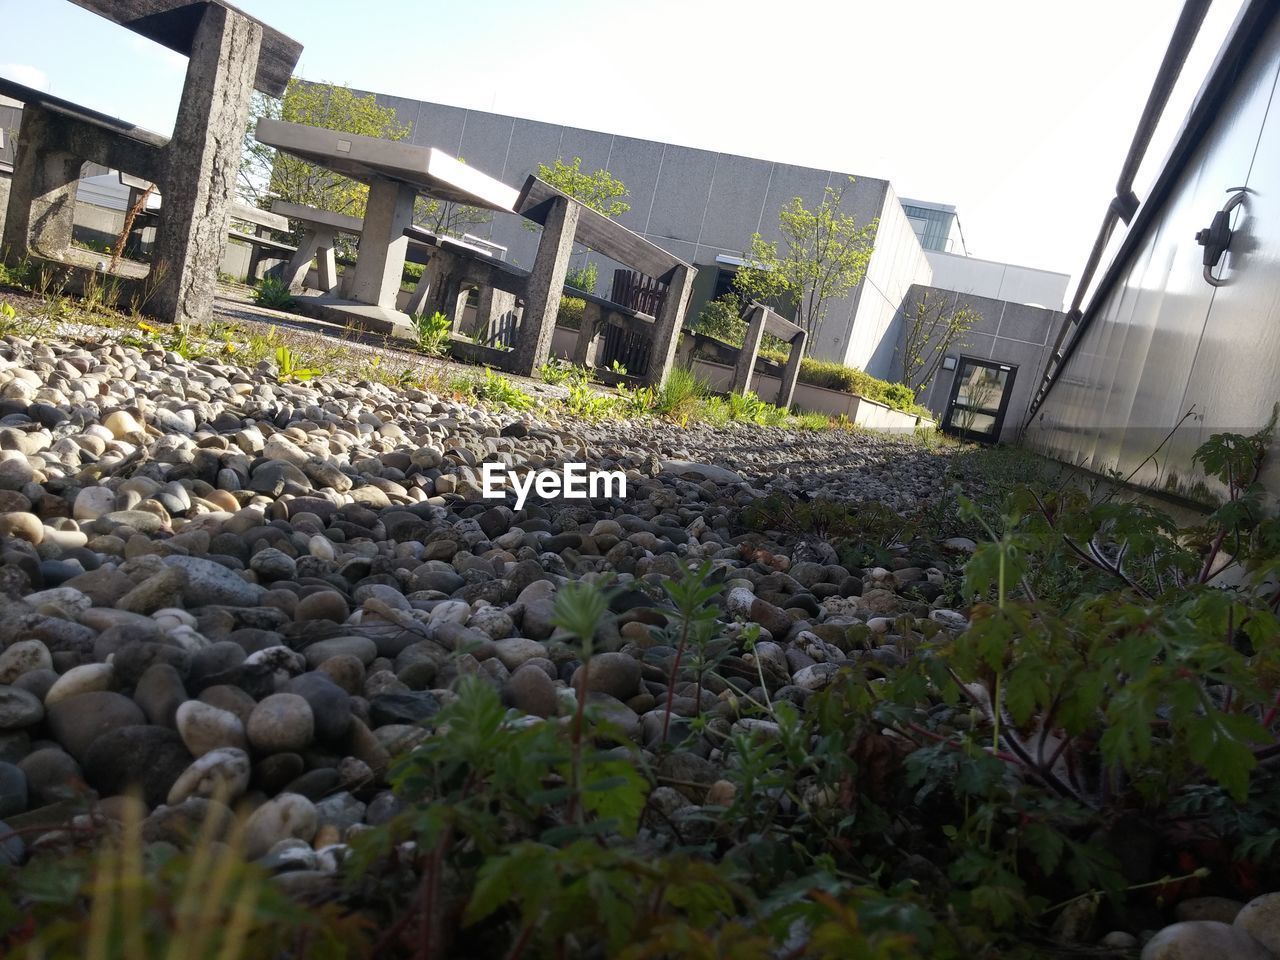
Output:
[[979, 397]]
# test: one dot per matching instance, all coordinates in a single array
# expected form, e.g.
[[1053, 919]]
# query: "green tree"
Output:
[[823, 256], [267, 174], [931, 329], [600, 191]]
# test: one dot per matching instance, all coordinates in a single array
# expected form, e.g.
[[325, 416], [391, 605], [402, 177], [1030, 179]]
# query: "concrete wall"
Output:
[[897, 264], [1158, 341], [1011, 333], [999, 281]]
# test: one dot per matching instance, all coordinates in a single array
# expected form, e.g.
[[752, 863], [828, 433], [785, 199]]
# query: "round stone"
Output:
[[615, 674], [210, 583], [86, 678], [52, 775], [323, 605], [281, 723], [21, 526], [1260, 918], [23, 657], [78, 721], [285, 816], [19, 708], [1198, 939], [362, 648], [531, 690], [146, 758], [271, 564], [205, 728], [222, 773], [93, 502], [13, 790]]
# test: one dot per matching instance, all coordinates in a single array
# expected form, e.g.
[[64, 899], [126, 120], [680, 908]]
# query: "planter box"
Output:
[[865, 413]]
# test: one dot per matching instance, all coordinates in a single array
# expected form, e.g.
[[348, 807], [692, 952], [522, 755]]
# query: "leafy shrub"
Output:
[[583, 278], [571, 312], [272, 293], [722, 319], [411, 274], [433, 332], [837, 376], [588, 404]]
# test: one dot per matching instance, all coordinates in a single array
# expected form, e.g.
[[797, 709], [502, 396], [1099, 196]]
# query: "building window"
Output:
[[724, 283]]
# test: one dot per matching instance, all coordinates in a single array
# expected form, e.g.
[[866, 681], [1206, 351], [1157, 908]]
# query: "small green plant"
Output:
[[585, 402], [495, 388], [8, 319], [680, 397], [637, 402], [288, 366], [617, 368], [557, 372], [433, 332], [272, 293]]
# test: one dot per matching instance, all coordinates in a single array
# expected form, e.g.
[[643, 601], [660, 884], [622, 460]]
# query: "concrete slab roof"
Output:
[[431, 171]]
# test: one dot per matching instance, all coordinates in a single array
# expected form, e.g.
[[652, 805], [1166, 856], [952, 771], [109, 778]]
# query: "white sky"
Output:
[[1019, 112]]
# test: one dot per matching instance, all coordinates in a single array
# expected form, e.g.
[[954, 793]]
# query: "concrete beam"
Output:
[[42, 197], [203, 159], [745, 366], [791, 372], [546, 286], [666, 330]]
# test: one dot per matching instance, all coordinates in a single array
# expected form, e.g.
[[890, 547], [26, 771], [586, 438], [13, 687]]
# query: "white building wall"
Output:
[[897, 263], [999, 281]]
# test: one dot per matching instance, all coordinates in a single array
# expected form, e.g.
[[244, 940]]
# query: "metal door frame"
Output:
[[975, 435]]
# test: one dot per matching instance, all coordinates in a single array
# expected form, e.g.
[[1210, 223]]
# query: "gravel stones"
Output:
[[614, 674], [219, 773]]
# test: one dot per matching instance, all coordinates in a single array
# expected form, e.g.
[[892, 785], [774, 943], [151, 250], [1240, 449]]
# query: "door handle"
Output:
[[1216, 238]]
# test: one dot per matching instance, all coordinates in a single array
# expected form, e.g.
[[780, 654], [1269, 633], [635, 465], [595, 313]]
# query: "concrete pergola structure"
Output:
[[566, 221], [396, 174], [762, 320], [230, 55]]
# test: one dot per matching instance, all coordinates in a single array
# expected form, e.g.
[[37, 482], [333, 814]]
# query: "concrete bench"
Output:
[[761, 320], [566, 221], [396, 173], [230, 54]]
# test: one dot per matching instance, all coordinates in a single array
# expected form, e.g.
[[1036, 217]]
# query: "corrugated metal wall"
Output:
[[1163, 341]]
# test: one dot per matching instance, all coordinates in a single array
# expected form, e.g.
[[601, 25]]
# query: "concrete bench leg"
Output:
[[316, 245], [791, 372], [586, 347], [201, 164], [746, 364], [546, 285], [383, 244], [666, 329], [42, 195]]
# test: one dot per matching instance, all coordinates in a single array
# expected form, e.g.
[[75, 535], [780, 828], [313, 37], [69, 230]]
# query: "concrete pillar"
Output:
[[314, 241], [42, 195], [201, 163], [746, 363], [546, 284], [586, 347], [494, 313], [383, 244], [666, 329], [791, 372], [426, 294]]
